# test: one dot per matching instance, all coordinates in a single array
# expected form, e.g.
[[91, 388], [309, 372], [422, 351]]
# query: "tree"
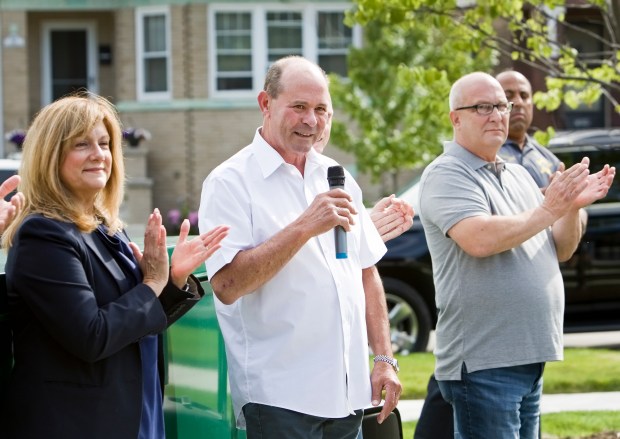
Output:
[[535, 28], [396, 95]]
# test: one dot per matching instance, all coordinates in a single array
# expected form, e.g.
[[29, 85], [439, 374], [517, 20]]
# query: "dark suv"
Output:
[[591, 276]]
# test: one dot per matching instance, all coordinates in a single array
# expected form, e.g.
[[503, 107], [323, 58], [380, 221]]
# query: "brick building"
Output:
[[188, 71]]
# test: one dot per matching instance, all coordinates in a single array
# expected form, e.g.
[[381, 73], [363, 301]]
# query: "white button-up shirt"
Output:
[[299, 341]]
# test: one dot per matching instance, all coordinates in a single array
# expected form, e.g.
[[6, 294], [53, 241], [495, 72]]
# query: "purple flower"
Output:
[[135, 135], [174, 217], [16, 136]]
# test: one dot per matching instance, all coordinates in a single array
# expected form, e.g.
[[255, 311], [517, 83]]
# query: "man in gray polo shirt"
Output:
[[495, 243], [436, 417]]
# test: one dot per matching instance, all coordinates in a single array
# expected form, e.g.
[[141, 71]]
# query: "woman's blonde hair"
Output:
[[47, 142]]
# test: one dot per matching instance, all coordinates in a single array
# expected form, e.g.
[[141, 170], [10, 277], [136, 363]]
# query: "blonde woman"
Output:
[[86, 304]]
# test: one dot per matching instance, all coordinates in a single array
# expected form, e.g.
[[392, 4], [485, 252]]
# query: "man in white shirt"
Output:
[[297, 321]]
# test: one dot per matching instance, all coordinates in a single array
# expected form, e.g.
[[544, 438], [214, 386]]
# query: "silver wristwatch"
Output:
[[392, 361]]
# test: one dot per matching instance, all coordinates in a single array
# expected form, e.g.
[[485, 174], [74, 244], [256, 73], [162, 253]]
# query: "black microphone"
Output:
[[335, 178]]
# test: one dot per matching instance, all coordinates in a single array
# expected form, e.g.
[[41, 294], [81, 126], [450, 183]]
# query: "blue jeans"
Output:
[[501, 403], [267, 422]]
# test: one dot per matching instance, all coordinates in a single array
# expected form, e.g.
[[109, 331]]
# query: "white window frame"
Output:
[[258, 13], [140, 14], [90, 27]]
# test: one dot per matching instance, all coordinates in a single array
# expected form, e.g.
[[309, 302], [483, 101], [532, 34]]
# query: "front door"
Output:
[[69, 59]]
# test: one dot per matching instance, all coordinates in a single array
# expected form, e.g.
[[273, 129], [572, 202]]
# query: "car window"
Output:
[[599, 156]]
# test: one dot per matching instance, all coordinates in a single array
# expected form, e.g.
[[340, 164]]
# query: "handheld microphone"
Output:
[[335, 178]]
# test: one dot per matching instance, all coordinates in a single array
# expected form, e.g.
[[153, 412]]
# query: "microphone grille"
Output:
[[335, 172]]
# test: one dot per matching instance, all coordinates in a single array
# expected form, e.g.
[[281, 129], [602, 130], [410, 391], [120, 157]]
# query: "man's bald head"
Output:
[[518, 91]]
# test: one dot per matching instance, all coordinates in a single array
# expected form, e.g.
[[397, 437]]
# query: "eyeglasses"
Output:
[[486, 109]]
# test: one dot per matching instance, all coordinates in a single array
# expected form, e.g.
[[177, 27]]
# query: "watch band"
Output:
[[391, 361]]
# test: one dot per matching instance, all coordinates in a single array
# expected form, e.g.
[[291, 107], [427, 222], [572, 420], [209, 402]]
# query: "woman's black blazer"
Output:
[[76, 321]]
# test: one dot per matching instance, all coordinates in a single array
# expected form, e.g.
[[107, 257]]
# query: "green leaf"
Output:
[[392, 110]]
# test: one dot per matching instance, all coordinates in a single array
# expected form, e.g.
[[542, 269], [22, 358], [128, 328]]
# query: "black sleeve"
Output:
[[177, 302]]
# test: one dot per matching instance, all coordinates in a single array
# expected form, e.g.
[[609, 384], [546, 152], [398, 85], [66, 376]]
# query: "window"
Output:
[[334, 41], [153, 51], [233, 34], [247, 39]]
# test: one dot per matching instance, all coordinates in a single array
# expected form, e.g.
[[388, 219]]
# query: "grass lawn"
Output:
[[583, 370], [562, 425]]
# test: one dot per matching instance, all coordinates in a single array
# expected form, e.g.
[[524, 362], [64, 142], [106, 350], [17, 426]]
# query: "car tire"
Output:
[[410, 318]]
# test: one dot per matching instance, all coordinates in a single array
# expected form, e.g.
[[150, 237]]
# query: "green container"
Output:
[[197, 400]]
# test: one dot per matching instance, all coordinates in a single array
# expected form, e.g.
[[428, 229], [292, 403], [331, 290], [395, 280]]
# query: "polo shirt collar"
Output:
[[452, 148]]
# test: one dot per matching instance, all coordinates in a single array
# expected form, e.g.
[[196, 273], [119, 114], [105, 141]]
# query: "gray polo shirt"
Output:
[[498, 311]]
